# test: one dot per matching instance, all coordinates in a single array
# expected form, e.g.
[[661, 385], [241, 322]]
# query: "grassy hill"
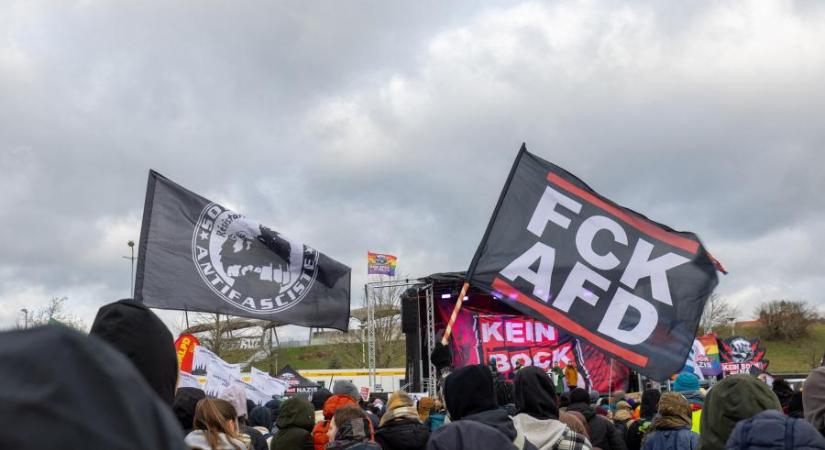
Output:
[[785, 357], [330, 356]]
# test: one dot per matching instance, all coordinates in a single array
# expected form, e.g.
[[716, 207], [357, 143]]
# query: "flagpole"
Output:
[[449, 330]]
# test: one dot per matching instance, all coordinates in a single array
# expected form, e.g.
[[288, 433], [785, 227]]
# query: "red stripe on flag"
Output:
[[645, 227], [562, 321]]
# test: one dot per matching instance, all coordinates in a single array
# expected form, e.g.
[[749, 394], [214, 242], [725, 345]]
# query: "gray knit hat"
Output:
[[343, 387]]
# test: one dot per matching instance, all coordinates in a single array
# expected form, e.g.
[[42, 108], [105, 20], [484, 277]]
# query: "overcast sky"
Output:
[[391, 126]]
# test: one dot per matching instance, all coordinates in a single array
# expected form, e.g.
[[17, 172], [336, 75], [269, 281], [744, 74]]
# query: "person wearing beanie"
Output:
[[401, 427], [770, 430], [295, 422], [538, 413], [343, 387], [671, 428], [603, 434], [622, 416], [813, 399], [260, 418], [344, 393], [468, 435], [687, 384], [82, 393], [647, 411], [469, 394], [737, 397], [141, 336], [186, 399]]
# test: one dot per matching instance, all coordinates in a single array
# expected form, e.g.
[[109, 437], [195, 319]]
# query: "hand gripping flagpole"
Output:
[[449, 330]]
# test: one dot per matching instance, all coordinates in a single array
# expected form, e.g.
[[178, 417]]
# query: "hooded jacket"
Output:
[[737, 397], [294, 423], [467, 435], [186, 399], [602, 432], [813, 399], [355, 434], [772, 430], [83, 394], [138, 333], [671, 428], [538, 413], [469, 394]]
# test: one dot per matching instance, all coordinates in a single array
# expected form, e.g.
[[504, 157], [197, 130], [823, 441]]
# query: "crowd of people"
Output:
[[116, 389]]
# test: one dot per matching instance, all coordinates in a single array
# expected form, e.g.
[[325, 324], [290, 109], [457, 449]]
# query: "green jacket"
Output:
[[295, 422], [735, 398]]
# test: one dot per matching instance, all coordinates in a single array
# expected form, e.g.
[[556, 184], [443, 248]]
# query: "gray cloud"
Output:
[[391, 127]]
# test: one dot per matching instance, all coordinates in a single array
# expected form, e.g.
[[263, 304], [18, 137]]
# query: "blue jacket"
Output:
[[675, 439], [773, 430]]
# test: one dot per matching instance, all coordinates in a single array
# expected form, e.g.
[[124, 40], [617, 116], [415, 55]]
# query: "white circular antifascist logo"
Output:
[[248, 265]]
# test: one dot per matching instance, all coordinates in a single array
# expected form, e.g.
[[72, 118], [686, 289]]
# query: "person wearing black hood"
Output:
[[783, 392], [647, 411], [602, 432], [63, 389], [294, 423], [469, 394], [795, 407], [274, 407], [186, 399], [538, 415], [141, 336]]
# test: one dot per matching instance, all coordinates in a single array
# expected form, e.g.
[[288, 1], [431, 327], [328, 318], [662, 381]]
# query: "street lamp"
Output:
[[25, 318], [131, 245], [732, 321]]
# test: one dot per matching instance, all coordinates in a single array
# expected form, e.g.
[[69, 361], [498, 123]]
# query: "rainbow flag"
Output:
[[381, 264]]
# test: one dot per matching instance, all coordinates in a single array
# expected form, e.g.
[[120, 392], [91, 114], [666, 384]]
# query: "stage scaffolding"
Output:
[[422, 286]]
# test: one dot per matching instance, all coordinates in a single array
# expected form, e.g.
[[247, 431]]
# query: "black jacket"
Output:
[[402, 434], [772, 430], [468, 435], [63, 389], [602, 432]]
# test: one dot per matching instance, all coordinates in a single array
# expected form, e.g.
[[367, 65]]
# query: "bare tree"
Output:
[[786, 319], [717, 312], [55, 312]]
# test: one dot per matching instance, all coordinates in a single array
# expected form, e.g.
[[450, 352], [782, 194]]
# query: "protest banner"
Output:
[[381, 264], [266, 383], [258, 396], [185, 349], [559, 252], [365, 393], [507, 341], [196, 255], [186, 379], [742, 355]]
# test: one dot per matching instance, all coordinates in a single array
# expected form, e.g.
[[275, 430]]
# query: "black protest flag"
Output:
[[196, 255], [558, 251]]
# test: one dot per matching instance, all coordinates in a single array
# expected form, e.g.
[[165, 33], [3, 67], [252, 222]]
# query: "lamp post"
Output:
[[25, 318], [131, 258], [732, 321]]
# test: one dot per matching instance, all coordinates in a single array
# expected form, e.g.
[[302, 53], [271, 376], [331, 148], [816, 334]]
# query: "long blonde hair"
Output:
[[211, 415]]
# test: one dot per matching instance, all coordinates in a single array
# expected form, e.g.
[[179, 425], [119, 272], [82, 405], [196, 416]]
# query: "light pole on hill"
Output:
[[131, 245], [25, 318], [732, 321]]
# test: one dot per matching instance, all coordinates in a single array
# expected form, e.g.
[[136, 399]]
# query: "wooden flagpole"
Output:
[[449, 330]]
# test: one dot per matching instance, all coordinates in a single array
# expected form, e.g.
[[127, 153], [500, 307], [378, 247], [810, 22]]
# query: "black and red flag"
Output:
[[560, 252]]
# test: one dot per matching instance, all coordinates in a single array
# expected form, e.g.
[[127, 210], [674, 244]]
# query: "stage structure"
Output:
[[411, 291]]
